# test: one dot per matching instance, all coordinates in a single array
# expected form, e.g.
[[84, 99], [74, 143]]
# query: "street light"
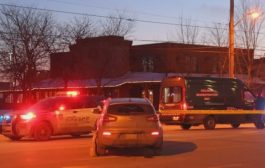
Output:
[[254, 15]]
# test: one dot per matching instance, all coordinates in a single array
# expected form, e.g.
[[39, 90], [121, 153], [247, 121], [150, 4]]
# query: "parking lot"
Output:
[[220, 148]]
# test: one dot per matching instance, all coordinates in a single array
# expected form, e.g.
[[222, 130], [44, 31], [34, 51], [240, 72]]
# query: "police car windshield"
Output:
[[50, 103], [54, 103]]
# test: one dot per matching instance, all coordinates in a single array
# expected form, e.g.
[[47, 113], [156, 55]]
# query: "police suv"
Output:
[[61, 115]]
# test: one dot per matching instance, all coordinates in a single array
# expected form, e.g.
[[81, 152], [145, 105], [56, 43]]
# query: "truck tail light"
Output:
[[109, 118], [153, 118], [28, 116]]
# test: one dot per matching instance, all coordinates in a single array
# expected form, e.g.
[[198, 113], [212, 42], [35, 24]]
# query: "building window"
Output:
[[148, 64]]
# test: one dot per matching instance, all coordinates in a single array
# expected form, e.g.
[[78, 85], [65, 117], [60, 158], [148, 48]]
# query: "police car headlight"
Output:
[[28, 116]]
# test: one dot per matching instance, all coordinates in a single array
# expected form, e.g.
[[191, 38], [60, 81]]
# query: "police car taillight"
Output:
[[28, 116]]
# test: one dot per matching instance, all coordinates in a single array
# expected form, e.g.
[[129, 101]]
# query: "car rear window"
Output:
[[130, 109]]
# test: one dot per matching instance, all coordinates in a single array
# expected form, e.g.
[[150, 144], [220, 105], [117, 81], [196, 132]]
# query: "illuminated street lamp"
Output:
[[254, 15]]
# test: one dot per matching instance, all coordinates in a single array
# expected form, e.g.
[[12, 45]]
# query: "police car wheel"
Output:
[[209, 123], [42, 132]]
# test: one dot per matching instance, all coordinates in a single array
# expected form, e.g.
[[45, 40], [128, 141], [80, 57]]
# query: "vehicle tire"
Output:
[[100, 150], [235, 125], [209, 123], [259, 124], [185, 126], [157, 149], [15, 138], [42, 132]]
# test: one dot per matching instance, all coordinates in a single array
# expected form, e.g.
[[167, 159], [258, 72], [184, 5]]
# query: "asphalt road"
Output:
[[223, 147]]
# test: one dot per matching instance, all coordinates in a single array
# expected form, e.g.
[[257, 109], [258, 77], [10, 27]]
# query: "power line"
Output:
[[113, 17], [101, 16], [130, 11]]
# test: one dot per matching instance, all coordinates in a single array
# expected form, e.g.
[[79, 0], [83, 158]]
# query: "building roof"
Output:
[[136, 77], [128, 78]]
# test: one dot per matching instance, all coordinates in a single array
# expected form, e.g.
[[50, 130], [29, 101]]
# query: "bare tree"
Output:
[[186, 32], [118, 25], [218, 35], [78, 28], [249, 32], [26, 36]]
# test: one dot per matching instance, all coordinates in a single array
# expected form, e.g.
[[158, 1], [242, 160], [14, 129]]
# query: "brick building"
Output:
[[106, 56], [184, 58]]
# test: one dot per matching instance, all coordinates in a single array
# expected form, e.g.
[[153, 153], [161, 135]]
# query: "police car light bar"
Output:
[[72, 93]]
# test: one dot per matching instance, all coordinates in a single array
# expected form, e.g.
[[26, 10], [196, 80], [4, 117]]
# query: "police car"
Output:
[[3, 115], [60, 115]]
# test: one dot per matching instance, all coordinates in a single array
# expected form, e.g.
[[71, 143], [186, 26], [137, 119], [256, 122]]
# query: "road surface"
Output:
[[223, 147]]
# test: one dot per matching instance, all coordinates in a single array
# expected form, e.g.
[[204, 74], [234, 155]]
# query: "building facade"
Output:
[[121, 69]]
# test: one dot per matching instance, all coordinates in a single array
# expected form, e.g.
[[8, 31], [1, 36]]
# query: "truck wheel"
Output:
[[235, 125], [259, 124], [42, 132], [185, 126], [209, 123]]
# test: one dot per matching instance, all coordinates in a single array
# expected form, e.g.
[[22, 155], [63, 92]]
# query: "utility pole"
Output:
[[231, 42]]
